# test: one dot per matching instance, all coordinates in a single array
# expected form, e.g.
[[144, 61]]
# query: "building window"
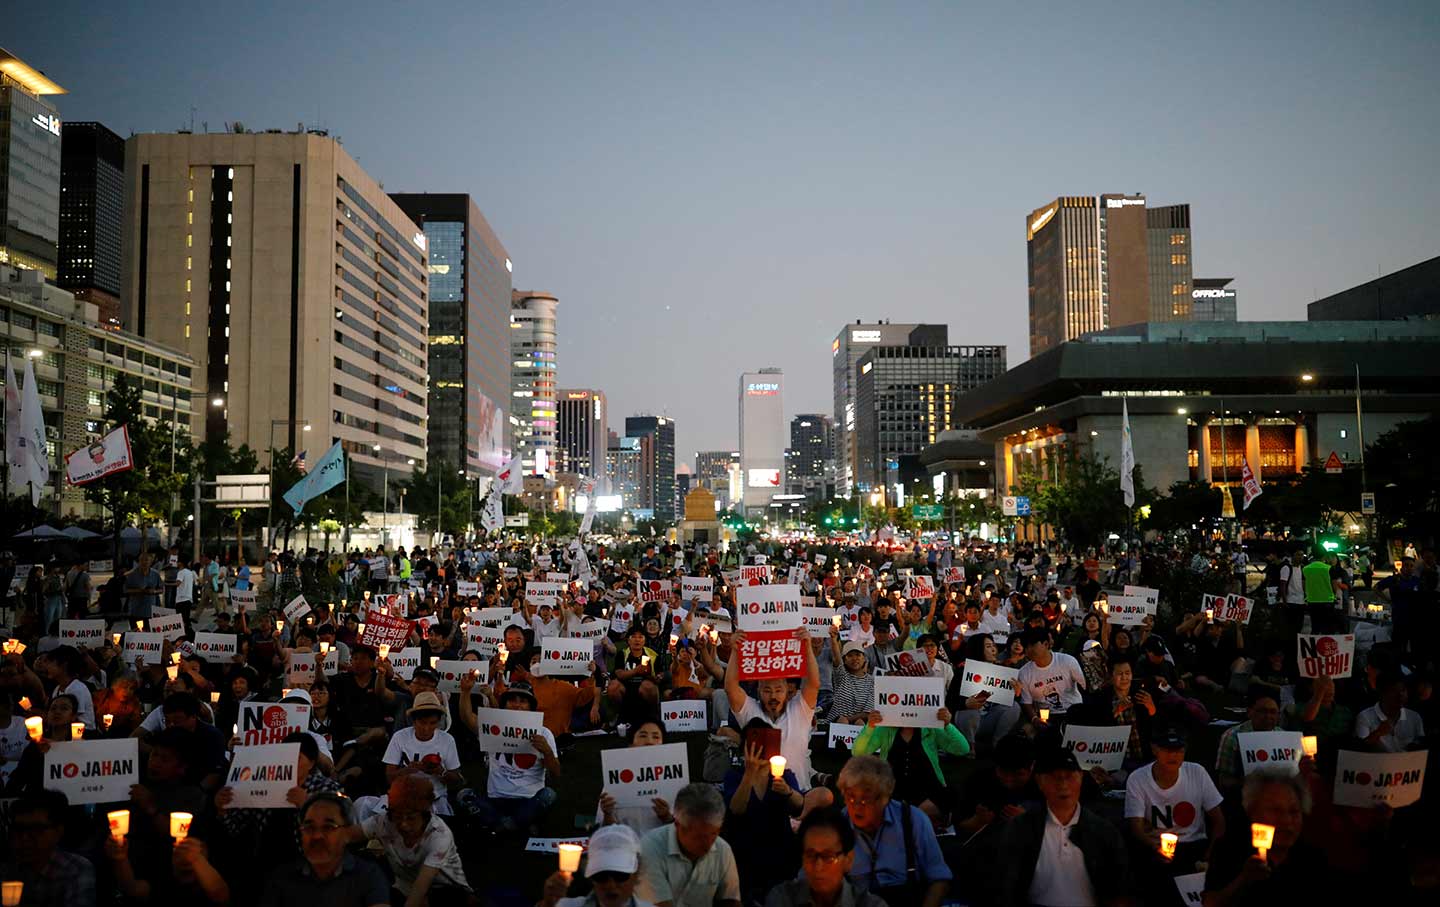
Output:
[[1177, 239], [1179, 258], [1177, 289]]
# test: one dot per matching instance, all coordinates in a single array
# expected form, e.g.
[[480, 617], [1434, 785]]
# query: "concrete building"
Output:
[[469, 336], [713, 471], [762, 436], [1203, 397], [292, 280], [905, 397], [581, 435], [92, 213], [77, 359], [532, 380], [845, 351], [1213, 299], [30, 132], [1409, 294], [810, 458], [1097, 262], [623, 468], [655, 436]]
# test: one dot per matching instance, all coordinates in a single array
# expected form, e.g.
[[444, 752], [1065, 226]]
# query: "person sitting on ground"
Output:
[[650, 732], [612, 863], [515, 793], [827, 853], [328, 874], [687, 863], [425, 749], [762, 807], [50, 876], [900, 859], [418, 845], [1388, 726], [1263, 714], [1176, 797], [1291, 872], [914, 756]]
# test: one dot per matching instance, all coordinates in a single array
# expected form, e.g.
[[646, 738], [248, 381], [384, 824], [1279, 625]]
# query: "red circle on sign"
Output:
[[1261, 756], [1081, 746], [654, 585], [1327, 646], [1362, 777], [493, 730], [754, 607], [1184, 813], [893, 698], [975, 678], [274, 717], [627, 776], [71, 769], [754, 581]]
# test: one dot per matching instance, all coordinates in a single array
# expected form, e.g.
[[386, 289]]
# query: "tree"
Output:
[[439, 490], [1400, 469], [1081, 498], [1187, 504]]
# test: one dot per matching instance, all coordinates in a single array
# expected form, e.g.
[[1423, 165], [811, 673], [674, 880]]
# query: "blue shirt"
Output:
[[880, 862]]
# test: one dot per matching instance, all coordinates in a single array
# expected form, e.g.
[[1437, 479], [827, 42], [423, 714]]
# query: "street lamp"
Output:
[[1307, 377]]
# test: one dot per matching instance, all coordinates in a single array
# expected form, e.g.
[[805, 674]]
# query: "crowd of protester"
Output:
[[395, 800]]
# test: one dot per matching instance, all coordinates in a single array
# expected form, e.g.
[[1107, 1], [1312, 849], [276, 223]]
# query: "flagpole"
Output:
[[345, 545]]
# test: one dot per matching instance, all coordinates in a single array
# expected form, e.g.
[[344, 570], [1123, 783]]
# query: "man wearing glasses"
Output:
[[827, 853], [328, 874], [898, 858]]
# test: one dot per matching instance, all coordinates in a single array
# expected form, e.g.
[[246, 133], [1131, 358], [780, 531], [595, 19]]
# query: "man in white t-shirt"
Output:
[[424, 749], [782, 705], [62, 666], [1172, 796], [1049, 680], [13, 738], [515, 791], [185, 579]]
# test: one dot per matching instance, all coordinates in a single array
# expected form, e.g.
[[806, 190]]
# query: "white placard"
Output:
[[297, 609], [1325, 655], [1192, 888], [982, 677], [1150, 596], [1270, 750], [405, 662], [301, 670], [552, 845], [553, 576], [242, 598], [261, 776], [760, 608], [1379, 779], [682, 716], [588, 629], [819, 621], [144, 646], [543, 593], [652, 590], [271, 722], [330, 664], [82, 634], [1129, 610], [844, 735], [1236, 607], [466, 589], [93, 771], [564, 657], [909, 701], [697, 588], [484, 640], [171, 627], [1102, 746], [636, 775], [213, 646], [500, 617], [508, 730], [451, 670], [920, 587]]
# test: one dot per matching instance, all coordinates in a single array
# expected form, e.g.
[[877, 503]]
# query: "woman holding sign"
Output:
[[650, 732], [914, 755]]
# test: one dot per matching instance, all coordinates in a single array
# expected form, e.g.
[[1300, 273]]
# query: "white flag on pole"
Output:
[[13, 447], [492, 512], [1127, 455], [511, 479], [32, 429]]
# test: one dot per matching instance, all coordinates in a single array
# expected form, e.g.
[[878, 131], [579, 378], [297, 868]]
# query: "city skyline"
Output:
[[681, 181]]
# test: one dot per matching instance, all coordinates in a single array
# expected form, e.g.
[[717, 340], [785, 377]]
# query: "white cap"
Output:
[[297, 695], [612, 848]]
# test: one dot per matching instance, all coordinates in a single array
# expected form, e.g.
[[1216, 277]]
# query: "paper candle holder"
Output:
[[77, 730], [11, 893], [180, 825], [119, 823], [777, 766], [35, 727], [570, 857], [1168, 843]]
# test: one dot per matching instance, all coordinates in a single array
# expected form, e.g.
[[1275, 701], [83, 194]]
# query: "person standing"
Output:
[[77, 590], [143, 586], [1320, 594], [185, 579]]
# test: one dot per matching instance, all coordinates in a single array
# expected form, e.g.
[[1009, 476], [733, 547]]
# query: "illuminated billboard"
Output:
[[762, 478], [605, 503]]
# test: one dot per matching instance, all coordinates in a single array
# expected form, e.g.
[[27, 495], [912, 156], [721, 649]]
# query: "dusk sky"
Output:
[[717, 188]]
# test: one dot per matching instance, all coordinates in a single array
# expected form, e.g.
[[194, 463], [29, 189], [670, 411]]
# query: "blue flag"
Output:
[[328, 473]]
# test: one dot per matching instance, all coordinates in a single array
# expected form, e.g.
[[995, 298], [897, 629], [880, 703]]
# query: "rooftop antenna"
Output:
[[192, 118]]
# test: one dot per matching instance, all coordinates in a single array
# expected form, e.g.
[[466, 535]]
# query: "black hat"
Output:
[[519, 689], [1055, 759], [1168, 738]]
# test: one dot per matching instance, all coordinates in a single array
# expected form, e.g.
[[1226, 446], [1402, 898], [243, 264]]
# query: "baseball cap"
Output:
[[1168, 738], [1090, 644], [515, 689], [1056, 759], [852, 646], [612, 848], [297, 695]]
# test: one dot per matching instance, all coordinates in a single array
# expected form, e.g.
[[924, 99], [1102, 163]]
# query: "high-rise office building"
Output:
[[29, 167], [845, 351], [810, 459], [762, 436], [1213, 299], [532, 379], [469, 351], [713, 470], [656, 438], [622, 468], [904, 400], [92, 210], [581, 434], [292, 280], [1097, 262]]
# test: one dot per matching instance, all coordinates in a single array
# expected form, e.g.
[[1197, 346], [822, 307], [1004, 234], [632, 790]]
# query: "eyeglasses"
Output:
[[319, 828], [821, 859], [861, 802]]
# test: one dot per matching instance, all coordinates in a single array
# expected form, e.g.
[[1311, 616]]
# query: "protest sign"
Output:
[[508, 730], [636, 775], [171, 627], [674, 619], [1379, 779], [382, 629], [330, 664], [754, 575], [920, 587], [1235, 607], [105, 566], [542, 561], [451, 670], [395, 604], [93, 771], [144, 646], [423, 624], [697, 588], [555, 576], [484, 640], [953, 576], [509, 572], [297, 609], [215, 646], [301, 670], [768, 607], [621, 617], [379, 567], [242, 599], [906, 663], [731, 577], [844, 735], [562, 657], [271, 722], [982, 677], [1129, 610], [1277, 751], [1150, 596], [818, 621], [685, 715], [909, 701], [262, 775], [82, 634], [552, 845], [466, 588], [1102, 746], [1192, 888], [771, 654], [821, 559], [1326, 656], [495, 617], [162, 611], [1215, 604], [405, 662], [652, 590], [796, 575], [543, 593], [587, 629]]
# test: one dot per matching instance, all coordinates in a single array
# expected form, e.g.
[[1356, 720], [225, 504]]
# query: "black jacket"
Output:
[[1105, 855]]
